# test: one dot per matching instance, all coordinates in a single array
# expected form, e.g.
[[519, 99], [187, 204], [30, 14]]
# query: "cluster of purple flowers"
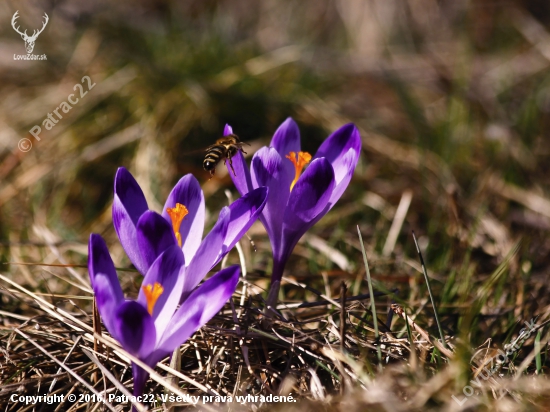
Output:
[[169, 251]]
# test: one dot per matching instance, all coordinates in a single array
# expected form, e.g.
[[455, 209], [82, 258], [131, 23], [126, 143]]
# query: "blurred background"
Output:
[[452, 99]]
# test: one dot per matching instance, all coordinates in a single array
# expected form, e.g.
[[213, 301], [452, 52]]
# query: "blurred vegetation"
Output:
[[452, 99]]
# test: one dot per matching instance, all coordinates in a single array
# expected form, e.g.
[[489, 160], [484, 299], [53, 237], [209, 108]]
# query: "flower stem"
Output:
[[272, 296], [271, 304]]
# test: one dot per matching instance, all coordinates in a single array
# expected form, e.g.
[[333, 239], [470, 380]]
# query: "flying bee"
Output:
[[225, 148]]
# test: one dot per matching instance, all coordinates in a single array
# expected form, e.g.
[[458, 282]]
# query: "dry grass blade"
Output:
[[397, 222], [70, 371], [425, 335], [527, 198], [112, 379], [77, 340]]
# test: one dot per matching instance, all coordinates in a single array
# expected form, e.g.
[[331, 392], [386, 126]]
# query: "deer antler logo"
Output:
[[29, 40]]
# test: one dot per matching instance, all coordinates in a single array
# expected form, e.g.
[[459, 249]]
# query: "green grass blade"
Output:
[[372, 303]]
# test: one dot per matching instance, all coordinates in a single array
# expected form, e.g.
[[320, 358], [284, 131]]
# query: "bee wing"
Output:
[[223, 141], [198, 151]]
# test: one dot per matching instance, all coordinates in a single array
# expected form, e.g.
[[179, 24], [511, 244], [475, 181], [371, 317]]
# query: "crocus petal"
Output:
[[341, 149], [243, 213], [128, 205], [285, 140], [268, 170], [154, 236], [232, 223], [311, 193], [135, 329], [103, 277], [308, 200], [199, 308], [167, 270], [130, 194], [227, 130], [241, 177], [99, 259], [207, 255], [188, 192], [343, 169]]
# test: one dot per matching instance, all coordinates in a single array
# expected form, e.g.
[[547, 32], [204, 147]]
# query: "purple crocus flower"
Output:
[[296, 200], [168, 250], [182, 223]]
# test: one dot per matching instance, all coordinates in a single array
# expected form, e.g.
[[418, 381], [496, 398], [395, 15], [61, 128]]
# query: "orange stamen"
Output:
[[152, 293], [299, 160], [176, 216]]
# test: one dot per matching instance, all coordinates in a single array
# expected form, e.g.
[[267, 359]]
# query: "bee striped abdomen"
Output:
[[213, 156], [225, 148]]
